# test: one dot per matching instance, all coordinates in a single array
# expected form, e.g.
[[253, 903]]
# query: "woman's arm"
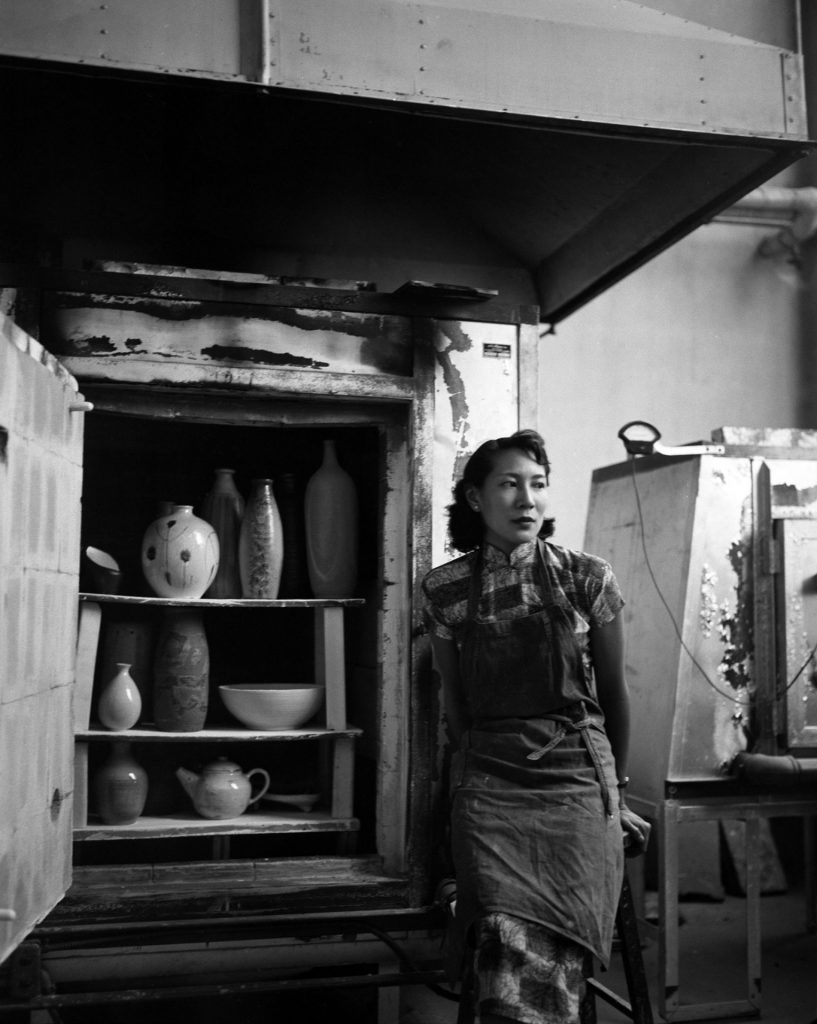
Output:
[[607, 650], [447, 666]]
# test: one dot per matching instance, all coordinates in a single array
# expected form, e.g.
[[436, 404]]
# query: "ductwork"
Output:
[[793, 210], [775, 771]]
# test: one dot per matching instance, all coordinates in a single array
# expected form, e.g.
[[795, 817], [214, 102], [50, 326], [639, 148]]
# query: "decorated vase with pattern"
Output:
[[261, 544], [181, 672], [180, 554]]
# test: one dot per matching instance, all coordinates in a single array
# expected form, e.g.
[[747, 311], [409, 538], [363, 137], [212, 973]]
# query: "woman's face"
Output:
[[512, 499]]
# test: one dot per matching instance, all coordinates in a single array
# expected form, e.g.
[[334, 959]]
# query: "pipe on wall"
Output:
[[775, 771], [792, 210]]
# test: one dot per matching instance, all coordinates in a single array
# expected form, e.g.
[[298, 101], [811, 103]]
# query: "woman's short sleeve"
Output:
[[606, 598]]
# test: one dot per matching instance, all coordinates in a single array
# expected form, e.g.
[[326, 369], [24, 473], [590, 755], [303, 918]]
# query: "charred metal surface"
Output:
[[735, 628], [241, 353], [791, 496], [380, 342], [457, 341]]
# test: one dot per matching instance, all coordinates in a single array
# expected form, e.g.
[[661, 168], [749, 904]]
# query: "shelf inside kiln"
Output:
[[179, 826]]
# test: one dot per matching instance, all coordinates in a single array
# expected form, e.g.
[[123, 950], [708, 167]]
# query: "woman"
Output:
[[527, 640]]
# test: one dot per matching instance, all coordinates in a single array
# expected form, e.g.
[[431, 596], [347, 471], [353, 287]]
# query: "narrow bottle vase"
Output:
[[330, 508], [294, 577], [261, 544], [223, 508]]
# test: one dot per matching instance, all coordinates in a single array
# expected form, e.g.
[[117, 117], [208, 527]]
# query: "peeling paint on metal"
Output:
[[735, 627], [241, 353], [456, 341], [709, 606], [791, 496]]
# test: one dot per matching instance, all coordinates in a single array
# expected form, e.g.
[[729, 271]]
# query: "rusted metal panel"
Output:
[[799, 633], [712, 662], [476, 398], [40, 476], [115, 328]]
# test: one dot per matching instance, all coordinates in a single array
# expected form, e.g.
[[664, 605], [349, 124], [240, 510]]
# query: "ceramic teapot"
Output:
[[222, 790]]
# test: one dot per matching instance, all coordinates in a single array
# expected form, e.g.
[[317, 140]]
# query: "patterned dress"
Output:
[[529, 963]]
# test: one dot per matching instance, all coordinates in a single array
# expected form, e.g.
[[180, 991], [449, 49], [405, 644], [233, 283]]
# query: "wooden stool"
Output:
[[637, 1007]]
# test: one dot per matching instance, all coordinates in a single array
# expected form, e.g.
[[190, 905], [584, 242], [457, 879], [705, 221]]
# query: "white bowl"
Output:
[[272, 705]]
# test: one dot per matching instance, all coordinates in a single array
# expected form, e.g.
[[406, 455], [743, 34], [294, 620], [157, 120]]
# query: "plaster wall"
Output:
[[707, 334]]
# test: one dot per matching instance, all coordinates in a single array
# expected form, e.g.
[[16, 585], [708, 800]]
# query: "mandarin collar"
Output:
[[495, 558]]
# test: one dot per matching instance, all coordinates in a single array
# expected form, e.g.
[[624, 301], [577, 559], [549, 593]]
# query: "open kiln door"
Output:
[[41, 429]]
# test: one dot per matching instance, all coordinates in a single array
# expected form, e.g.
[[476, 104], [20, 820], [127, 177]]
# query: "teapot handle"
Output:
[[264, 788]]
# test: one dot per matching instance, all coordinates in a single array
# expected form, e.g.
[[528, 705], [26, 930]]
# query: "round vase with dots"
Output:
[[180, 554]]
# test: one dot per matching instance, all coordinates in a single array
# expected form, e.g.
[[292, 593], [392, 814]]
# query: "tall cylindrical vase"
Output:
[[261, 544], [181, 672], [120, 786], [294, 577], [330, 508], [223, 508]]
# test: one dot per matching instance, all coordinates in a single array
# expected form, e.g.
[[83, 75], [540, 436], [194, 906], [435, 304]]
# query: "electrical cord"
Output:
[[693, 659], [736, 700]]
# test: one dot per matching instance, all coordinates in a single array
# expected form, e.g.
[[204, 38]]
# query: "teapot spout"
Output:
[[188, 779]]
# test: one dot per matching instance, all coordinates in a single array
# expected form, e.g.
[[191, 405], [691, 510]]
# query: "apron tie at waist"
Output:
[[582, 726]]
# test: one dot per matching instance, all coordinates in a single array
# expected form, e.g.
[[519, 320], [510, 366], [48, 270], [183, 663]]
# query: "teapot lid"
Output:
[[222, 764]]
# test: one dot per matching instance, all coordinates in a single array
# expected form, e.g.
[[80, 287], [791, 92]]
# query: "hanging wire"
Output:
[[693, 659], [780, 692], [799, 672]]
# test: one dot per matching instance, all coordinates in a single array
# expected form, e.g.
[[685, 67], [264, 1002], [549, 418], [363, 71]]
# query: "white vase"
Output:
[[331, 513], [120, 702], [180, 554]]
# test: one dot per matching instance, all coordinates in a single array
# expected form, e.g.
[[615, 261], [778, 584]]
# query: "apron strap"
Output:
[[582, 726]]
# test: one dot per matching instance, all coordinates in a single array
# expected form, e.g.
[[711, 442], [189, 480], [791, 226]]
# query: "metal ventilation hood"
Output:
[[567, 140]]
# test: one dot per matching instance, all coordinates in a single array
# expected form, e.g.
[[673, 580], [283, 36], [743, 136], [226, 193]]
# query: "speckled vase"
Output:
[[181, 672], [180, 554], [223, 508], [261, 544], [330, 509]]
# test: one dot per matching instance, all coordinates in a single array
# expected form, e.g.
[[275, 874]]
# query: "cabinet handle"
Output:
[[7, 915], [81, 407]]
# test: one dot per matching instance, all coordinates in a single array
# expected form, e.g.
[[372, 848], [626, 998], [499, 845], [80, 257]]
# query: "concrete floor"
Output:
[[712, 970], [712, 964]]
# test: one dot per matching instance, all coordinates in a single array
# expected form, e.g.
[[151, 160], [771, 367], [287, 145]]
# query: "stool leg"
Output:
[[467, 1010], [627, 925], [587, 1006]]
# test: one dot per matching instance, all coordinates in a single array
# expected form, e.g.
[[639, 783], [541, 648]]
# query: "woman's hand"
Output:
[[636, 832]]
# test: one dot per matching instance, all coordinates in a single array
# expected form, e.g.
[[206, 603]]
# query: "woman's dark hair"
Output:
[[465, 526]]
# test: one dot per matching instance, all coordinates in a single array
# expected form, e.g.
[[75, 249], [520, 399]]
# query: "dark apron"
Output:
[[535, 828]]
